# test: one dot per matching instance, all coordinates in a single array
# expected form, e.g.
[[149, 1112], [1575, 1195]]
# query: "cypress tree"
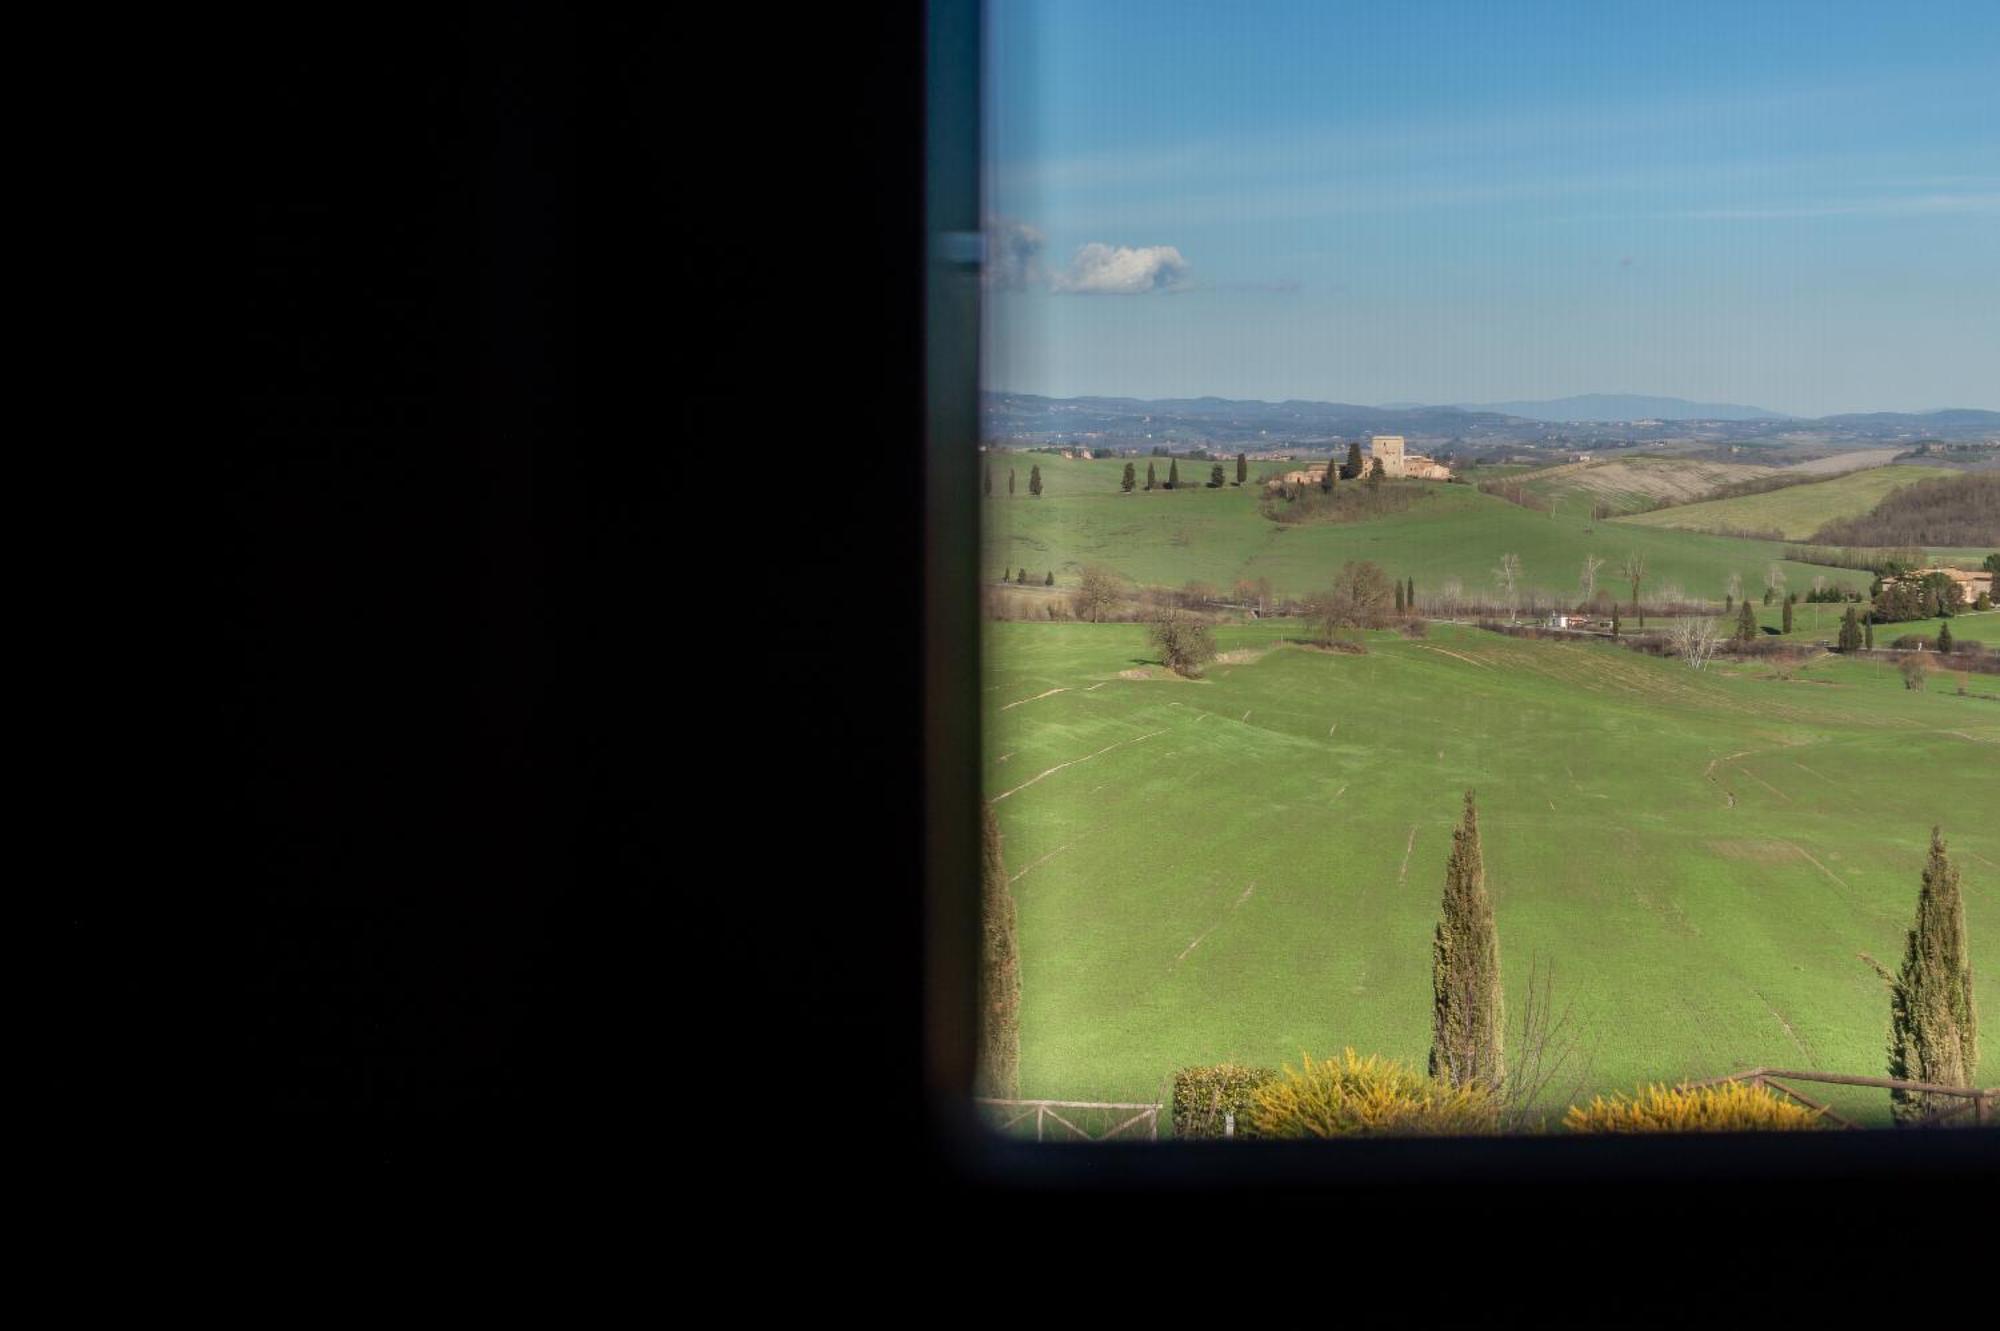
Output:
[[1410, 594], [1129, 480], [1375, 474], [1216, 480], [1353, 467], [1933, 1027], [1614, 621], [1399, 598], [1152, 479], [1944, 638], [1332, 473], [1035, 481], [1050, 581], [1850, 630], [999, 973], [1746, 624], [1466, 1009], [1173, 474], [1010, 480], [1242, 468], [1788, 616], [1022, 576]]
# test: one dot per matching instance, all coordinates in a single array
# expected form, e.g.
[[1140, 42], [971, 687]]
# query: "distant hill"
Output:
[[1961, 417], [1592, 421], [1129, 421], [1627, 407]]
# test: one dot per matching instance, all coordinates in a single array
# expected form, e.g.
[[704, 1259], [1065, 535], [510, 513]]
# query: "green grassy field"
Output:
[[1798, 511], [1249, 867], [1452, 531]]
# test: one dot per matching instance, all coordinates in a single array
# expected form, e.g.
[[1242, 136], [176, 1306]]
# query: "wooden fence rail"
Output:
[[1980, 1100], [1045, 1110]]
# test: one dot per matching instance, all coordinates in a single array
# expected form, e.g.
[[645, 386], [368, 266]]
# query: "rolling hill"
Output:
[[1796, 511]]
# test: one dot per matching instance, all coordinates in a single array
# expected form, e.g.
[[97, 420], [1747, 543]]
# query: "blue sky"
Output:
[[1792, 206]]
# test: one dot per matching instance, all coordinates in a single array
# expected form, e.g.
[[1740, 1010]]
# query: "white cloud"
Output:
[[1122, 270], [1013, 254]]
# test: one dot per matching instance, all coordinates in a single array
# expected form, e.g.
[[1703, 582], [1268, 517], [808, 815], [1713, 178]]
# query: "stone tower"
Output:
[[1389, 448]]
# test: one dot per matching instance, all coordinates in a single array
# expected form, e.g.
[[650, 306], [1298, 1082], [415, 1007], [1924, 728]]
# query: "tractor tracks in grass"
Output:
[[1037, 698], [1408, 846], [1790, 1034], [1051, 771], [1217, 925]]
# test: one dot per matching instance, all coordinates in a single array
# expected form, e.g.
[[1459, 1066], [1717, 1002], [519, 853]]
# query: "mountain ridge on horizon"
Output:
[[1582, 407]]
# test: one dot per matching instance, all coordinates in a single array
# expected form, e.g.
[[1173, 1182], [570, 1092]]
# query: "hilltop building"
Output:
[[1389, 449]]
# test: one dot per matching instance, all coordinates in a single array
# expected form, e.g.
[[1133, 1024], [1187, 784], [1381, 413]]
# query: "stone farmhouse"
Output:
[[1973, 583], [1389, 450]]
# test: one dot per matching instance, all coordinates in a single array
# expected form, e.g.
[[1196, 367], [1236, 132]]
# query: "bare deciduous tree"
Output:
[[1358, 599], [1587, 583], [1774, 581], [1695, 640], [1098, 594], [1734, 588], [1507, 575], [1634, 571], [1548, 1048]]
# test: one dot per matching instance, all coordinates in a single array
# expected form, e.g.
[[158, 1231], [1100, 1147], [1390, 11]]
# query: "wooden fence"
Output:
[[1980, 1101], [1047, 1111]]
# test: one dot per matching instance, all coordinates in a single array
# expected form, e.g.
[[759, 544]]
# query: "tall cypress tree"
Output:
[[1010, 480], [1332, 473], [1152, 478], [1353, 467], [1467, 1016], [1173, 474], [1410, 594], [1746, 624], [1850, 630], [1399, 598], [1788, 616], [1242, 468], [1933, 1027], [1035, 481], [1129, 480], [999, 972], [1944, 638]]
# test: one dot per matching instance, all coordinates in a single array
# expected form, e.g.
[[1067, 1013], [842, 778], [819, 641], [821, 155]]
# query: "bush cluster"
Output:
[[1370, 1096], [1205, 1096], [1729, 1107]]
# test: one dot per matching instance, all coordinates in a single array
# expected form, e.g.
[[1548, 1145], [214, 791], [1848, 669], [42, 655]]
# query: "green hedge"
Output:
[[1204, 1096]]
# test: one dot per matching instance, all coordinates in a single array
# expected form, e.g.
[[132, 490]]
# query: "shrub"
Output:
[[1183, 641], [1729, 1107], [1916, 670], [1204, 1096], [1371, 1096], [1415, 628]]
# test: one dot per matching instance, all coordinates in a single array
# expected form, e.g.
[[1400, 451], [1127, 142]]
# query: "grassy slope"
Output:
[[1798, 511], [1231, 881], [1630, 483], [1167, 538]]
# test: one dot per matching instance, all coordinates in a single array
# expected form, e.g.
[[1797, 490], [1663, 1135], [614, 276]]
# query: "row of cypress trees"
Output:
[[1933, 1024], [1034, 480]]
